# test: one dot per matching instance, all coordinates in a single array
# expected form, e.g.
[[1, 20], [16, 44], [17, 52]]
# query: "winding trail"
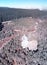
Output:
[[6, 40]]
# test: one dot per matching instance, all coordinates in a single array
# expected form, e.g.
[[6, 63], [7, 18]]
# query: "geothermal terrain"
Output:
[[24, 42]]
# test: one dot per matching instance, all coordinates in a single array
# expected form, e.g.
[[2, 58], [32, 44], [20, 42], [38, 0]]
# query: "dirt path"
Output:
[[5, 40]]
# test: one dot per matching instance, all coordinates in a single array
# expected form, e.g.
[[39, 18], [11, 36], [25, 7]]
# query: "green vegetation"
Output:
[[11, 13]]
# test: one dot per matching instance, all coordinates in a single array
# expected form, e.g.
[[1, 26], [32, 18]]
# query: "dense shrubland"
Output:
[[11, 13]]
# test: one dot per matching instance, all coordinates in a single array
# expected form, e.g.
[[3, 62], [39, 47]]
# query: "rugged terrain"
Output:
[[11, 51], [7, 14]]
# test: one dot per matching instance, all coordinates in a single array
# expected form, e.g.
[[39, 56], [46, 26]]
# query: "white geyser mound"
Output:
[[24, 42], [32, 45]]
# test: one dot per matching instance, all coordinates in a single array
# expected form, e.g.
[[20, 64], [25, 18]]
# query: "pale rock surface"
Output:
[[32, 45]]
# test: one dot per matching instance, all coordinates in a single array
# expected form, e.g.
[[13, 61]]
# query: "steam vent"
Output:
[[24, 42]]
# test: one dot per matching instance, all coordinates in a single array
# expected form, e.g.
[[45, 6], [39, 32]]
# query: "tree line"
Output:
[[12, 13]]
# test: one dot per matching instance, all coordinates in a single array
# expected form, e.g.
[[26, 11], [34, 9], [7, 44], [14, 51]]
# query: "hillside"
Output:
[[13, 13], [12, 51]]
